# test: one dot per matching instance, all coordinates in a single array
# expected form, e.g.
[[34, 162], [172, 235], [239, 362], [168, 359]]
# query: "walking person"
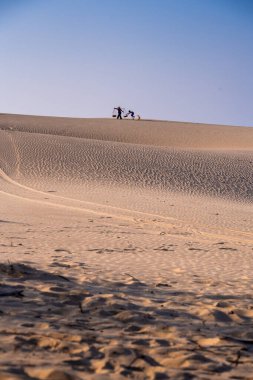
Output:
[[120, 111]]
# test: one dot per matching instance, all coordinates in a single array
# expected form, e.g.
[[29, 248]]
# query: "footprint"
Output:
[[161, 284], [63, 250], [228, 249]]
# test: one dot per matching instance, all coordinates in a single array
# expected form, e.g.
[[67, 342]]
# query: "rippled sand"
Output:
[[126, 249]]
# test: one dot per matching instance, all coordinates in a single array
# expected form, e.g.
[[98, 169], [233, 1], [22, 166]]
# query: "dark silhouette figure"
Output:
[[131, 113], [119, 112]]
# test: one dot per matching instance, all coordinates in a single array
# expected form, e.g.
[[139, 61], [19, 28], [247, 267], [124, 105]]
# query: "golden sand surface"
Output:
[[126, 249]]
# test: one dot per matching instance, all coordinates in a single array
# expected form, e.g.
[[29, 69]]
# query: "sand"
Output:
[[126, 249]]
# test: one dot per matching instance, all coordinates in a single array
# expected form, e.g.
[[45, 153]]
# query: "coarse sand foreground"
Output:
[[126, 249]]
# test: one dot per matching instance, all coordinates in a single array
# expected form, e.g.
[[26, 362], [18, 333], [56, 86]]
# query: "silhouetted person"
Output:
[[119, 112], [130, 113]]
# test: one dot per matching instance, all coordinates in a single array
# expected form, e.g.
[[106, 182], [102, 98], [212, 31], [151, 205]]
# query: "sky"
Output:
[[182, 60]]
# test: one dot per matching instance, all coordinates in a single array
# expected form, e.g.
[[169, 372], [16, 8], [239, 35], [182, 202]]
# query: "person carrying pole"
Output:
[[120, 111]]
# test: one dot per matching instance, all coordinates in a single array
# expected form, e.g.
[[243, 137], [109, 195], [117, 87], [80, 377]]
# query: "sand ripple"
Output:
[[39, 159]]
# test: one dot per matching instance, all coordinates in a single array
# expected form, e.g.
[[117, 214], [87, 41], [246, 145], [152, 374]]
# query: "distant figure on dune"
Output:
[[131, 113], [120, 111]]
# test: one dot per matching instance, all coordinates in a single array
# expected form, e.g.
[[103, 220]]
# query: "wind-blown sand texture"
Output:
[[126, 249]]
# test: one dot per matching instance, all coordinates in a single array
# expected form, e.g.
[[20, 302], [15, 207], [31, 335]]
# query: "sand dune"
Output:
[[126, 249], [75, 156]]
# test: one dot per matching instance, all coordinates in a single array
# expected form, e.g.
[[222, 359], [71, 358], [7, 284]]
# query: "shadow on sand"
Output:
[[58, 328]]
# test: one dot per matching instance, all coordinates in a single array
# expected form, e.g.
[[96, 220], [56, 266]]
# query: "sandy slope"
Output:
[[126, 249]]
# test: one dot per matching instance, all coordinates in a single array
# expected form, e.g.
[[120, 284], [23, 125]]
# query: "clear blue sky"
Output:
[[185, 60]]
